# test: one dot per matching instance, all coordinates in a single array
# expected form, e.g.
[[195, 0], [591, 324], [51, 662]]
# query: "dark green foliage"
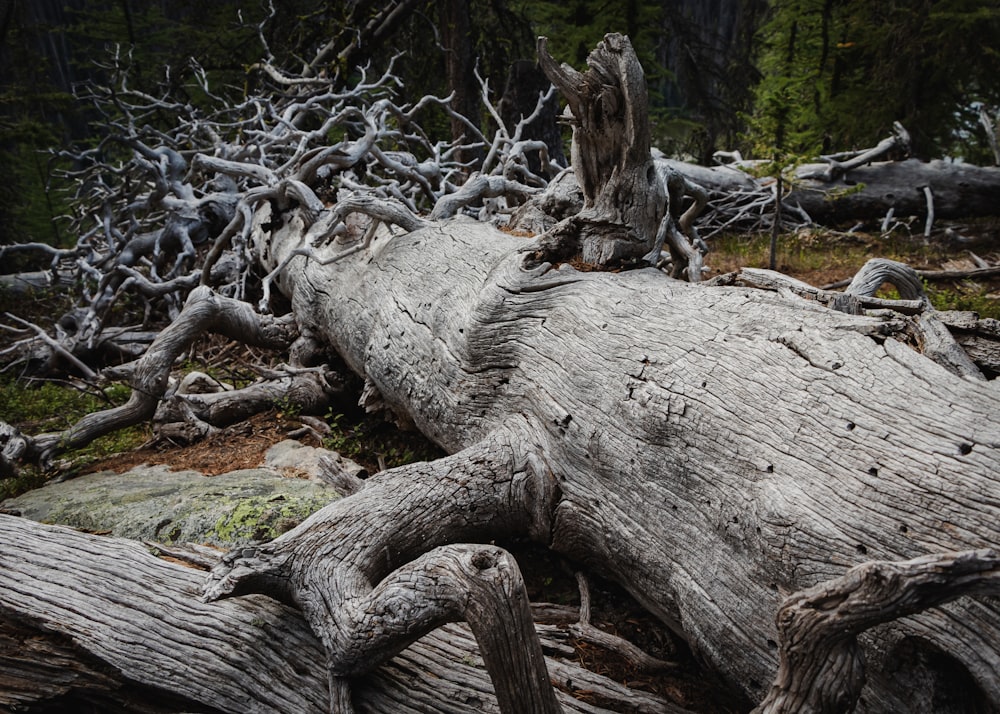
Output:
[[695, 53], [574, 28], [34, 112], [838, 73]]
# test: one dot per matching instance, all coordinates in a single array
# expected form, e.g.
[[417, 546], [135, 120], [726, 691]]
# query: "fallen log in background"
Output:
[[959, 191], [741, 201]]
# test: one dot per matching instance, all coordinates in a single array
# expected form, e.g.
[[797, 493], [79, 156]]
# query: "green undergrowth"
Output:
[[965, 295], [41, 406], [235, 373], [366, 438]]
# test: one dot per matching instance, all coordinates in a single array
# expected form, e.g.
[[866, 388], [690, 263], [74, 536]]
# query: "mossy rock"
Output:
[[155, 503]]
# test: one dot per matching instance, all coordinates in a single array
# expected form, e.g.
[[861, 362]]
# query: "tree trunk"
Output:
[[959, 190], [869, 191], [624, 200], [713, 449], [95, 623]]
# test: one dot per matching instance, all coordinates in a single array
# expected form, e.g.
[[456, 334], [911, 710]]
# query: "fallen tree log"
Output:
[[89, 622], [714, 449], [861, 186], [958, 190]]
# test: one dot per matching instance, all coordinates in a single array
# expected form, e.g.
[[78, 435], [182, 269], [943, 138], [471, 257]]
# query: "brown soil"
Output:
[[241, 446]]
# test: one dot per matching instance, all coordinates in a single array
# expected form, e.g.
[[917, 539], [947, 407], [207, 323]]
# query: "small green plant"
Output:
[[967, 296], [843, 192], [288, 408], [37, 406], [344, 437], [375, 443]]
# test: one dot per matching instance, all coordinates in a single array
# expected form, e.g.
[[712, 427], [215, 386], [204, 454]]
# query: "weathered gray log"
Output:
[[693, 433], [101, 622], [869, 191], [960, 191], [111, 605], [822, 668], [852, 186]]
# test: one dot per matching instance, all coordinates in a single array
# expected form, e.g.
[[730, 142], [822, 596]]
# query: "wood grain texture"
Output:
[[624, 199], [715, 448], [88, 619], [144, 620], [822, 668]]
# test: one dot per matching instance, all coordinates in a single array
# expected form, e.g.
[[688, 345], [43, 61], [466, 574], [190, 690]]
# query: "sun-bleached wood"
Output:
[[105, 622]]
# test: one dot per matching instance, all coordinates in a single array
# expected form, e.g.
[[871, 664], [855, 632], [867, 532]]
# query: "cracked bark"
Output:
[[368, 598], [694, 432], [80, 630], [623, 198]]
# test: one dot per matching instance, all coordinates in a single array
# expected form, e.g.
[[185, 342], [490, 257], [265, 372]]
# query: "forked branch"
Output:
[[371, 579], [822, 669]]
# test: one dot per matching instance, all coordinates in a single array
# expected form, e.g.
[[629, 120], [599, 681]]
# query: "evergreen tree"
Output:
[[36, 112], [837, 73]]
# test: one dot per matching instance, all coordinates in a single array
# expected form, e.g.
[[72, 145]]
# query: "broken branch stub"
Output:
[[624, 199]]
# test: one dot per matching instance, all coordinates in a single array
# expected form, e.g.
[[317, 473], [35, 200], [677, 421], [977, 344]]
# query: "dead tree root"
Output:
[[822, 668], [932, 335], [375, 571], [204, 311], [923, 327]]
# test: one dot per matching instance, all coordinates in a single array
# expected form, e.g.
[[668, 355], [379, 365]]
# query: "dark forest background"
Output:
[[767, 78]]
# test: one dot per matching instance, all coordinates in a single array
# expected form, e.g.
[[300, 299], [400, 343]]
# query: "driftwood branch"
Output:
[[935, 340], [106, 623], [342, 591], [899, 141], [149, 376]]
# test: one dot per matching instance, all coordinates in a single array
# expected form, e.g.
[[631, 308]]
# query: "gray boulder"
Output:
[[155, 503]]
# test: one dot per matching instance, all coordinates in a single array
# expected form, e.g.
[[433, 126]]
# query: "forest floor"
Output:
[[816, 257], [824, 258]]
